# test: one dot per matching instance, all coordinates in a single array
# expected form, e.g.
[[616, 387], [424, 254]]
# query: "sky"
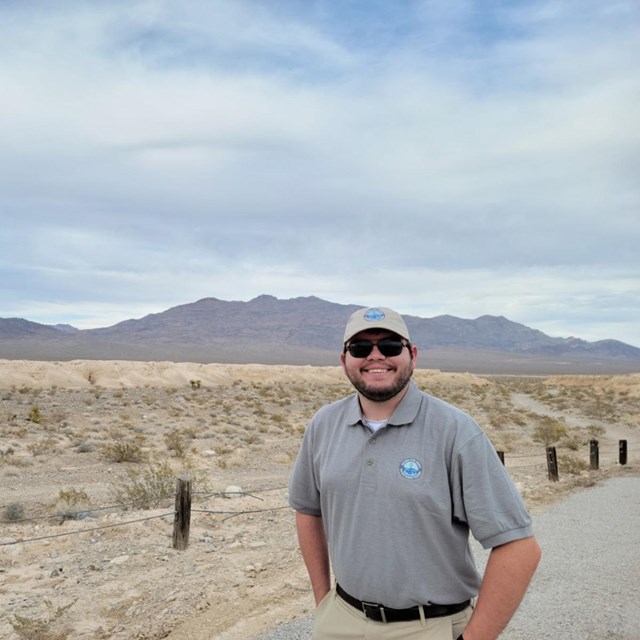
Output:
[[435, 156]]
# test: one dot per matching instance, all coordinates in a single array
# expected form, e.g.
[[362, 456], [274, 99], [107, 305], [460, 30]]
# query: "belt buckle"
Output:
[[374, 611]]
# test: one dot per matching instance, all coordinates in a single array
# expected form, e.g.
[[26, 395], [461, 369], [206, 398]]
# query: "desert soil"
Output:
[[83, 442]]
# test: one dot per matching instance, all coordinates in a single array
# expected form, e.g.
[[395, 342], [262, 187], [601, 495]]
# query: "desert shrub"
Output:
[[16, 461], [176, 442], [42, 446], [148, 489], [74, 502], [571, 464], [48, 628], [35, 415], [73, 496], [506, 441], [251, 438], [573, 440], [596, 430], [549, 431], [123, 451], [518, 418], [13, 512]]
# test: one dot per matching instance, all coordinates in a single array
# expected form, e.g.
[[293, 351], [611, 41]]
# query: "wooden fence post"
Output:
[[594, 455], [622, 449], [182, 517], [552, 464]]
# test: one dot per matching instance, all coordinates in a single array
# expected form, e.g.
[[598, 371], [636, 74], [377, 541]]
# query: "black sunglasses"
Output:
[[388, 347]]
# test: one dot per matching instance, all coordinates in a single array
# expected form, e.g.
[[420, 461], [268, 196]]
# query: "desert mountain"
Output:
[[308, 330]]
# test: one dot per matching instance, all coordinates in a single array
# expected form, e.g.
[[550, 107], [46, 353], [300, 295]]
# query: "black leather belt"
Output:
[[380, 613]]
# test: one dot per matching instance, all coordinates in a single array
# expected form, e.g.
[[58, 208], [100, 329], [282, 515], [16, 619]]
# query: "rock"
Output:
[[233, 491], [208, 453]]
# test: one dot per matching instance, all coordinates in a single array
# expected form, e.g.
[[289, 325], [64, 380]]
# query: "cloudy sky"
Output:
[[437, 156]]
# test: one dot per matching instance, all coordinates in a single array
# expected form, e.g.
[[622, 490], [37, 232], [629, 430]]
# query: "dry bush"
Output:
[[35, 415], [13, 512], [50, 627], [572, 442], [596, 430], [86, 447], [123, 451], [252, 437], [42, 446], [549, 431], [74, 502], [572, 464], [177, 441], [154, 486], [148, 489], [74, 497]]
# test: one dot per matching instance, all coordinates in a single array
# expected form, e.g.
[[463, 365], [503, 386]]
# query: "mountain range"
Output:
[[308, 330]]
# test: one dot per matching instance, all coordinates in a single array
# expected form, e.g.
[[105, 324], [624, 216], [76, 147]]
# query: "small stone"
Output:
[[233, 491]]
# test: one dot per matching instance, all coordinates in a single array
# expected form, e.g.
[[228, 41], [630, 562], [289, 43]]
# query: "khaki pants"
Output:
[[337, 620]]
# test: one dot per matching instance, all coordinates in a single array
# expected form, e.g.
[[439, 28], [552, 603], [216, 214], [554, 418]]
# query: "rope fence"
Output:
[[184, 496], [180, 521]]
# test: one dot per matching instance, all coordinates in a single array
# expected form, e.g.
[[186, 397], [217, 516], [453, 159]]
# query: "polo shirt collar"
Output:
[[404, 413]]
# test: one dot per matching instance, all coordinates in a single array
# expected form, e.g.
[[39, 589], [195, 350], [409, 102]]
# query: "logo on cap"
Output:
[[410, 468], [373, 315]]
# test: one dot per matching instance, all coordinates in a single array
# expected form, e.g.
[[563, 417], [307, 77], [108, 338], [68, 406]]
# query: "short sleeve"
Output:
[[304, 493], [484, 496]]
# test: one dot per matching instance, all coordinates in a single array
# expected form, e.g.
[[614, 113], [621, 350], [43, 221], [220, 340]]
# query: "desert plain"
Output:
[[90, 452]]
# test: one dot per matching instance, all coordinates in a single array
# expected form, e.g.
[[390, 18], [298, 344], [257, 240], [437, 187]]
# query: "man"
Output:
[[386, 487]]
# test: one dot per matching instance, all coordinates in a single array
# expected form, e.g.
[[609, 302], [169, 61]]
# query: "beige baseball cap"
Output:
[[375, 318]]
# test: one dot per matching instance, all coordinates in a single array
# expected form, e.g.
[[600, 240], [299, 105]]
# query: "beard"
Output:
[[381, 394]]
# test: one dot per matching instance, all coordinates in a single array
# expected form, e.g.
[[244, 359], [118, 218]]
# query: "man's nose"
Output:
[[375, 354]]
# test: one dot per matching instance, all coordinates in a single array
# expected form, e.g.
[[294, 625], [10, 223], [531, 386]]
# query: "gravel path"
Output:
[[588, 583]]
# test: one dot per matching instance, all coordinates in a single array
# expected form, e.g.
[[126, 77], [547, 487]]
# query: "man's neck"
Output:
[[381, 410]]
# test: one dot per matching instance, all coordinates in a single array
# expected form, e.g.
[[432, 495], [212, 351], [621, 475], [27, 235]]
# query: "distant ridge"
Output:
[[308, 330]]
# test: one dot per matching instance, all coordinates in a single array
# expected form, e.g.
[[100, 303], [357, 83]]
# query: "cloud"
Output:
[[238, 148]]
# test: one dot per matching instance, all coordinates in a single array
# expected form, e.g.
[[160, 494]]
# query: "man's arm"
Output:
[[509, 570], [315, 553]]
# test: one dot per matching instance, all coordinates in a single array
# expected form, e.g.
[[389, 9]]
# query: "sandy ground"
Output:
[[80, 559]]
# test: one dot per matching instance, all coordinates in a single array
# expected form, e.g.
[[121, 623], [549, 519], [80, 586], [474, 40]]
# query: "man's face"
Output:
[[379, 378]]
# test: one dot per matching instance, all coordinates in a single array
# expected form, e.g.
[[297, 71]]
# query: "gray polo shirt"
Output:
[[397, 504]]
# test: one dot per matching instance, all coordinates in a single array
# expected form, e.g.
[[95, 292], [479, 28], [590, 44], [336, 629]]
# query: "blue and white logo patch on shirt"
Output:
[[411, 468]]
